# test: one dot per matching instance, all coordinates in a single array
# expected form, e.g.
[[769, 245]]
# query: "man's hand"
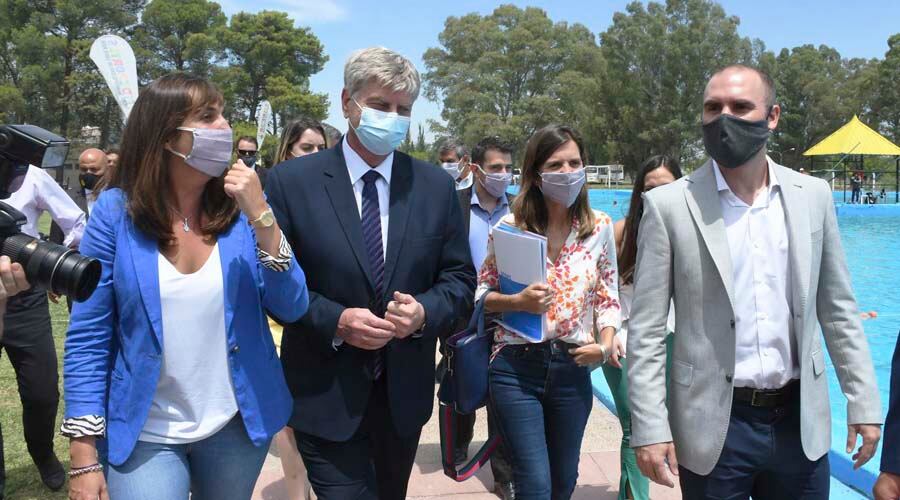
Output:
[[870, 433], [887, 487], [406, 314], [657, 461], [360, 328]]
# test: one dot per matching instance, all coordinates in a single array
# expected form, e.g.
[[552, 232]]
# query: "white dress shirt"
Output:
[[358, 168], [765, 344], [39, 193]]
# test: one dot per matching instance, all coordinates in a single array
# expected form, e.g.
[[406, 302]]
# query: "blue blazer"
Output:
[[113, 349], [427, 256]]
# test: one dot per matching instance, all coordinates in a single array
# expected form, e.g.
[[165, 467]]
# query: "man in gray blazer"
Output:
[[751, 255]]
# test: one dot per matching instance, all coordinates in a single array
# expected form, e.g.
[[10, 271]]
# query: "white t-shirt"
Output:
[[194, 398]]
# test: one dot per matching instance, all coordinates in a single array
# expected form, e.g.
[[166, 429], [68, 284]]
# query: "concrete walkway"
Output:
[[598, 477]]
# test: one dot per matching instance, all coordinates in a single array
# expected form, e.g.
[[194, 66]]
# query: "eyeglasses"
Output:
[[246, 152]]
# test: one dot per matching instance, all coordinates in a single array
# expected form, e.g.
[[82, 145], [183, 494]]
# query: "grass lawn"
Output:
[[22, 478]]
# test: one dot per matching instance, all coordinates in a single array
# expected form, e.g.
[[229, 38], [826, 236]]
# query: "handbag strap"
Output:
[[447, 421]]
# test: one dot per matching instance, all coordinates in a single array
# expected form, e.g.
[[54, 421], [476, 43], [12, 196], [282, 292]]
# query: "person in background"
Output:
[[170, 359], [93, 165], [380, 236], [454, 158], [28, 333], [751, 254], [856, 187], [112, 159], [483, 205], [655, 172], [540, 393], [248, 153], [300, 137], [333, 136]]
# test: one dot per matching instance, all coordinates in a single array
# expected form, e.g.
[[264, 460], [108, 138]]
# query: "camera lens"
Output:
[[53, 267]]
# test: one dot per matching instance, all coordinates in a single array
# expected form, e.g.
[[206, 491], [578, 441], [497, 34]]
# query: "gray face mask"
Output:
[[732, 141], [563, 187], [211, 150]]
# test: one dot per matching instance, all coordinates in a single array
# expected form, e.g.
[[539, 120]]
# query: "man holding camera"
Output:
[[28, 335]]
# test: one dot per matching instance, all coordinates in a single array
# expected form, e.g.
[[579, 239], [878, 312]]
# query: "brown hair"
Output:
[[143, 173], [292, 133], [529, 208], [627, 248]]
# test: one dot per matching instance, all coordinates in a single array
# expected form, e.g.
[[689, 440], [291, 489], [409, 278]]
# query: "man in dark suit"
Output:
[[379, 235], [483, 204], [888, 485]]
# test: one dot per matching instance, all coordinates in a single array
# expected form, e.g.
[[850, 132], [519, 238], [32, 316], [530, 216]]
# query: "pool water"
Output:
[[872, 246]]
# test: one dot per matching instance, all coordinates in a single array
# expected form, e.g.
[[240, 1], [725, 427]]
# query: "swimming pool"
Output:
[[871, 238]]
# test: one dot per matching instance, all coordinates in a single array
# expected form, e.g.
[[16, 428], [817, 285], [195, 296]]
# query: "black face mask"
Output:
[[88, 181], [249, 160], [732, 141]]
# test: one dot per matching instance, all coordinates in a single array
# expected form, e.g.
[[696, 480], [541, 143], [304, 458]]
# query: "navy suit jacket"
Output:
[[427, 256], [890, 451]]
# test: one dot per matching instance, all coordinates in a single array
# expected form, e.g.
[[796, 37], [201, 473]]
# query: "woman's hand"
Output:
[[90, 486], [536, 299], [242, 184], [608, 347], [12, 281], [588, 355]]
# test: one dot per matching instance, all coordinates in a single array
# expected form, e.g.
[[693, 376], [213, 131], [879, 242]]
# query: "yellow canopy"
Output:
[[854, 138]]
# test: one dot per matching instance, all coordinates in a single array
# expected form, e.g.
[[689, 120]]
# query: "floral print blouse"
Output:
[[585, 281]]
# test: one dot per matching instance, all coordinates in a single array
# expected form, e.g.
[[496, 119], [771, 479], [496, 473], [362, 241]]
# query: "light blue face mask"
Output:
[[380, 132]]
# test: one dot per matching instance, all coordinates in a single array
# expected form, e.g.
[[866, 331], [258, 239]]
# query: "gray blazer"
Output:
[[683, 253]]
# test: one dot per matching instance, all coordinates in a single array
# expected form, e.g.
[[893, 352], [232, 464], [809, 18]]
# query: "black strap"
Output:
[[448, 438]]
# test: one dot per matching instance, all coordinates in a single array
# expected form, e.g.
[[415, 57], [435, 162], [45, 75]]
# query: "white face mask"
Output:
[[452, 169]]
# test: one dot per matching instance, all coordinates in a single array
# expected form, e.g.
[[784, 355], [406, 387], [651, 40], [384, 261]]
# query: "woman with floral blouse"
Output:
[[541, 392]]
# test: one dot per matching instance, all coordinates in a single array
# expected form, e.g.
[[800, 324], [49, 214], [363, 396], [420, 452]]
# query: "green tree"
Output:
[[68, 28], [658, 60], [887, 100], [505, 73], [178, 35], [269, 58]]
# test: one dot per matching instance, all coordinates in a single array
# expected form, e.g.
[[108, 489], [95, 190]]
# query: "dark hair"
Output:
[[247, 138], [767, 80], [451, 144], [143, 173], [292, 133], [529, 208], [492, 143], [332, 135], [627, 248], [113, 151]]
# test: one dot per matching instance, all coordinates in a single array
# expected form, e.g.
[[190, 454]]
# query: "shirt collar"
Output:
[[357, 167], [465, 183], [721, 185]]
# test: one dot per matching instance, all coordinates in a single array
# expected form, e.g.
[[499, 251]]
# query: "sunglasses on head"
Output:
[[246, 152]]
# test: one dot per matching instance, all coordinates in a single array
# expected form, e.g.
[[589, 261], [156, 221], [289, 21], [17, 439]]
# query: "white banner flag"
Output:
[[115, 60], [264, 121]]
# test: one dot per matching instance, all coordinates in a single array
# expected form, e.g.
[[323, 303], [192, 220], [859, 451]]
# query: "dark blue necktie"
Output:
[[371, 230]]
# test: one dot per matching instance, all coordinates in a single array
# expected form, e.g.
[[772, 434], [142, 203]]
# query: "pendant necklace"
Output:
[[184, 220]]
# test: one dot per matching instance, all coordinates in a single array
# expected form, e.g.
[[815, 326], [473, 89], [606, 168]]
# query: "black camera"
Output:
[[54, 267]]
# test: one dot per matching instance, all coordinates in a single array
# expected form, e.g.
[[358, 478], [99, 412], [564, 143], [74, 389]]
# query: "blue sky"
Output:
[[855, 29]]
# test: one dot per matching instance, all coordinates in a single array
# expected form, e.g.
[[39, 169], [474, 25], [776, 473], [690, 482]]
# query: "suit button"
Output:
[[728, 378], [732, 324], [235, 349]]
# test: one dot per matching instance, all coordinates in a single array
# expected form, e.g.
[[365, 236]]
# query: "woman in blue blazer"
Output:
[[171, 358]]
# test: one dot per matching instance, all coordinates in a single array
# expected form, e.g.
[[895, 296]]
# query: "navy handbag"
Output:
[[464, 389]]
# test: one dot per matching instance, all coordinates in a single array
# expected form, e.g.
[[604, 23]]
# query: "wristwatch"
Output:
[[265, 219]]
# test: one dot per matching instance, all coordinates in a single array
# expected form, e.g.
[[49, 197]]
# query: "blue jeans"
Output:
[[541, 401], [223, 466]]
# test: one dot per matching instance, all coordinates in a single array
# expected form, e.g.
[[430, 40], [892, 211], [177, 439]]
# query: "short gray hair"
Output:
[[384, 66], [452, 144]]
